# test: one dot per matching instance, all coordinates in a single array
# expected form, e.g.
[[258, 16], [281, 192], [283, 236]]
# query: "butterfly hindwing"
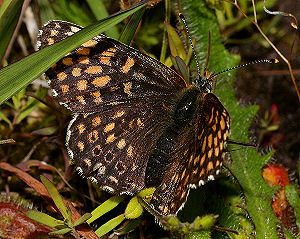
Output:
[[112, 148]]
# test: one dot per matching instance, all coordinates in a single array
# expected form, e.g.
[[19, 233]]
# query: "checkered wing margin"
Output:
[[119, 98], [197, 160]]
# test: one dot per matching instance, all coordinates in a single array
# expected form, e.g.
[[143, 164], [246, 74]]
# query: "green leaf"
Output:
[[43, 218], [146, 192], [100, 12], [205, 234], [130, 226], [45, 10], [30, 105], [131, 26], [105, 207], [292, 194], [9, 16], [4, 118], [61, 231], [72, 11], [82, 219], [181, 67], [57, 199], [204, 222], [110, 225], [175, 42], [16, 99], [18, 75], [134, 209]]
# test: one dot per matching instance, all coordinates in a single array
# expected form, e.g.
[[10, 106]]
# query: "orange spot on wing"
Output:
[[129, 63], [101, 81]]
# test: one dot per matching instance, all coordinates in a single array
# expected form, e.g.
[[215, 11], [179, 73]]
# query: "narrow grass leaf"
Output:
[[131, 26], [100, 12], [4, 118], [110, 225], [9, 16], [176, 44], [105, 207], [56, 197], [130, 226], [61, 231], [82, 219], [43, 218]]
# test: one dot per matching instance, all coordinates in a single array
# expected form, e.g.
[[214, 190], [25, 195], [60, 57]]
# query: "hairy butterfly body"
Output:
[[136, 123]]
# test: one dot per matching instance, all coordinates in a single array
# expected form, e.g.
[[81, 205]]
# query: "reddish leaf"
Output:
[[15, 224], [275, 175]]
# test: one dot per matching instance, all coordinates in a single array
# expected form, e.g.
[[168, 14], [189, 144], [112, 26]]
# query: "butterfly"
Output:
[[136, 123]]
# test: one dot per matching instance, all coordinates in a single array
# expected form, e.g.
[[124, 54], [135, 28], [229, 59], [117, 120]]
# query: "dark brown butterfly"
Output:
[[136, 123]]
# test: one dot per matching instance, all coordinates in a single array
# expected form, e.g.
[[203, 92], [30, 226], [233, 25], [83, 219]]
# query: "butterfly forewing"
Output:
[[102, 73]]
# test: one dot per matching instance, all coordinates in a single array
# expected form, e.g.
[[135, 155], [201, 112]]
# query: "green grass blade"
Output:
[[111, 224], [9, 16], [131, 26], [105, 207], [100, 12], [57, 199], [43, 218], [61, 231], [18, 75], [82, 219]]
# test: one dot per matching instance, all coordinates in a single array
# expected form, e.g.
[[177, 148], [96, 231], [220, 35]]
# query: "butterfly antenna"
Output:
[[272, 61], [208, 53], [232, 141], [201, 81]]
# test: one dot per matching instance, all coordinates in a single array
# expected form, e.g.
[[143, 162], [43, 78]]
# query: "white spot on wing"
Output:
[[65, 105], [94, 180], [54, 93], [201, 182], [79, 171], [126, 193], [38, 45], [193, 186], [109, 189]]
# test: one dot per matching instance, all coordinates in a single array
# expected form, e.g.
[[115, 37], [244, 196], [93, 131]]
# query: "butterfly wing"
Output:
[[103, 73], [198, 159], [112, 148], [119, 98]]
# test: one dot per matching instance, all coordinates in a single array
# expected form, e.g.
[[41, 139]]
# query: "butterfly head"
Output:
[[204, 84]]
